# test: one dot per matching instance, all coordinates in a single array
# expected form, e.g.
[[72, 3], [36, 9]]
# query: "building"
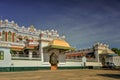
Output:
[[24, 42], [30, 48], [25, 45], [99, 52]]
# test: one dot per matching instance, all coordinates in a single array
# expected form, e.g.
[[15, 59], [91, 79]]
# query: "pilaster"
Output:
[[30, 54]]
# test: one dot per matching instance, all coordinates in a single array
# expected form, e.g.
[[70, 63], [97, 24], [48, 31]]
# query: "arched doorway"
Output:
[[53, 59]]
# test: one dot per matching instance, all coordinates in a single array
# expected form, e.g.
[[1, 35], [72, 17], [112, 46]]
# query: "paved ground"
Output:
[[62, 75]]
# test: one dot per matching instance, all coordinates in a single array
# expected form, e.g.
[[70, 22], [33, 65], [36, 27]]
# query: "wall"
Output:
[[60, 53], [26, 63], [7, 57], [116, 60]]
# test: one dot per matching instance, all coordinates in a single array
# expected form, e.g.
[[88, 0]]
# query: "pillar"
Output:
[[12, 37], [41, 50], [30, 54], [96, 55], [42, 58], [17, 55], [6, 35]]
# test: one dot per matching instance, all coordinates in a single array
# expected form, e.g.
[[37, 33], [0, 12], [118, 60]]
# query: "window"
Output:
[[15, 37], [1, 55], [3, 36], [9, 36]]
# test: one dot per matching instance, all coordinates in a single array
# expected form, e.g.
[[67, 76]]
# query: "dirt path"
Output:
[[62, 75]]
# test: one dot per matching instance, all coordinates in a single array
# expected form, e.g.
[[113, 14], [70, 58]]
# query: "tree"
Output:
[[116, 50]]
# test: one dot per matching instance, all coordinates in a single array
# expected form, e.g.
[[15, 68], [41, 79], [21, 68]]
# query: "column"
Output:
[[12, 37], [41, 50], [30, 54], [97, 56], [6, 35], [42, 58], [17, 55]]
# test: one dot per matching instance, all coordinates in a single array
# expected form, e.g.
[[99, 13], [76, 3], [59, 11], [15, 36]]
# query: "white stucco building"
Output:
[[24, 47]]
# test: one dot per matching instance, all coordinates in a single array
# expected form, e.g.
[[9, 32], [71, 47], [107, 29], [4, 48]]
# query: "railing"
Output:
[[14, 43], [25, 57], [4, 44], [80, 60], [35, 56], [73, 60], [91, 60]]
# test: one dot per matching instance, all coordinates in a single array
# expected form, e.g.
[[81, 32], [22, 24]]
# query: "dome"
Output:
[[59, 42]]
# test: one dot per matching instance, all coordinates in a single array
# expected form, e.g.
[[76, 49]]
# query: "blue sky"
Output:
[[83, 22]]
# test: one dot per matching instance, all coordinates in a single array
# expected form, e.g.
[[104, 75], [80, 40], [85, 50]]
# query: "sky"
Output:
[[83, 22]]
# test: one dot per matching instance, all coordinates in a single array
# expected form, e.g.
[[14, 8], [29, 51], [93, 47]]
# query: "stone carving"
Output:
[[31, 28]]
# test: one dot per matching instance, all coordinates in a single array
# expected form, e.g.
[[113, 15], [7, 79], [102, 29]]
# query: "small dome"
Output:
[[12, 22], [6, 20], [23, 27], [52, 30], [1, 20], [63, 37]]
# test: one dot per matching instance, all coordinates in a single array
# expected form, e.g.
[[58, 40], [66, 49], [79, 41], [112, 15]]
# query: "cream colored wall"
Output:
[[100, 51], [93, 64], [25, 63], [7, 57]]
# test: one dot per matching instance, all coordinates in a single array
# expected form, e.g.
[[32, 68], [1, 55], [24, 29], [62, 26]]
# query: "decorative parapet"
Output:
[[4, 44], [101, 46], [16, 44], [46, 34], [49, 35]]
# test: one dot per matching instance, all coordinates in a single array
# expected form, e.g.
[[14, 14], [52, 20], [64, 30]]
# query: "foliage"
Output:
[[116, 50]]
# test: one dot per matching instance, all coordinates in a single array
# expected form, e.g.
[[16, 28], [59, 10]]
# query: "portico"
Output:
[[55, 52]]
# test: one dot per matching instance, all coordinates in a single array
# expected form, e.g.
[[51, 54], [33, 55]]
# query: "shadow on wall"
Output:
[[115, 76]]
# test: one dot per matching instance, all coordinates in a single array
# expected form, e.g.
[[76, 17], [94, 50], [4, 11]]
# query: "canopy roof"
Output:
[[108, 51], [59, 44]]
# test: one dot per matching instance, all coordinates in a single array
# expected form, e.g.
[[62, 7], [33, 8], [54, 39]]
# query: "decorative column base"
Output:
[[53, 67]]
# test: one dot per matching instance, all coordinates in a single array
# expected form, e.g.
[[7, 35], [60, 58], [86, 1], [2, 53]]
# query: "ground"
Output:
[[82, 74]]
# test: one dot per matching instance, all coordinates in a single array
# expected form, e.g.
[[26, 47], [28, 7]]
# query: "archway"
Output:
[[53, 61]]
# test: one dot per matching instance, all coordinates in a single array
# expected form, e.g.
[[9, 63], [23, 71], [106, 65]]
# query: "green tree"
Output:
[[116, 50]]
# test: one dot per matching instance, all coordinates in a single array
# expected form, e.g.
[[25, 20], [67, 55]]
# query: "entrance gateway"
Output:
[[55, 52]]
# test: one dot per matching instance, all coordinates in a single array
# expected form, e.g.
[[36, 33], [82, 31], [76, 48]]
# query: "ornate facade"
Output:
[[24, 42], [31, 47], [94, 54]]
